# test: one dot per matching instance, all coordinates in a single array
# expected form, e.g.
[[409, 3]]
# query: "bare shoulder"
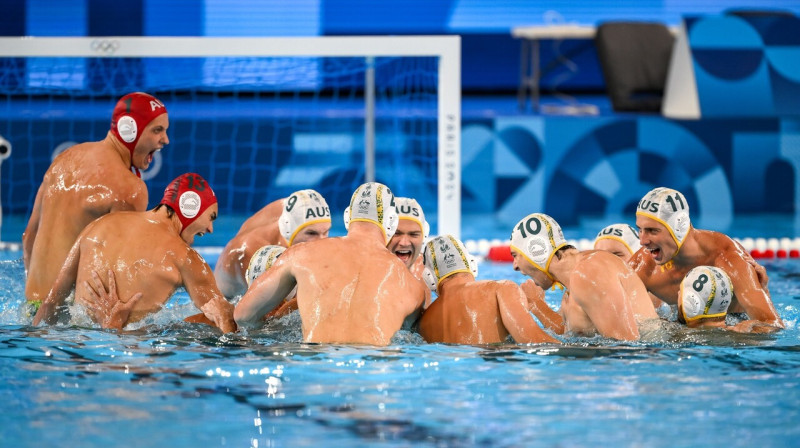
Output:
[[274, 208], [712, 241], [599, 261], [268, 214], [641, 263], [718, 247], [186, 257], [505, 286], [100, 164], [500, 288], [595, 268], [311, 252]]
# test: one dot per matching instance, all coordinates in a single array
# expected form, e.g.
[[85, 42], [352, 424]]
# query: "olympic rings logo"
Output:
[[105, 46]]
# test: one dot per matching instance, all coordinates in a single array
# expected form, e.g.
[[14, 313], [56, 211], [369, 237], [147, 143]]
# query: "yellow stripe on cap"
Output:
[[379, 206], [409, 218], [535, 264], [711, 298], [615, 238], [464, 259], [433, 258], [369, 220], [661, 221], [306, 224], [552, 238]]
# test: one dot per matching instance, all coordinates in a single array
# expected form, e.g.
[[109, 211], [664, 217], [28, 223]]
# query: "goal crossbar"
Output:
[[446, 48]]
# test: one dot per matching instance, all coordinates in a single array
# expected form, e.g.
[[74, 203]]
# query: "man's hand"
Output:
[[534, 294], [761, 271], [108, 310], [539, 307]]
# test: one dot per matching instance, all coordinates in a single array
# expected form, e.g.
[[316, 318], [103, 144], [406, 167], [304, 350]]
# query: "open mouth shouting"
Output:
[[655, 252], [404, 255], [149, 159]]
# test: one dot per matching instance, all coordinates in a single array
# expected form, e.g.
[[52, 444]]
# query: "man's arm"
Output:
[[228, 271], [761, 271], [198, 279], [748, 290], [516, 318], [416, 313], [62, 287], [29, 236], [536, 304], [265, 293], [285, 308]]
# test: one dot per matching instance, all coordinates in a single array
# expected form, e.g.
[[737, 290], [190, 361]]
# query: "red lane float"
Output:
[[500, 253], [503, 253]]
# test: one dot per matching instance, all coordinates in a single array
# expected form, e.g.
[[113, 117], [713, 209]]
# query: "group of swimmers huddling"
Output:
[[378, 278], [603, 295]]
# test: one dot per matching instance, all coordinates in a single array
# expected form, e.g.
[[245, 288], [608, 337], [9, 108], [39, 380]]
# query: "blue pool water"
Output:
[[168, 383]]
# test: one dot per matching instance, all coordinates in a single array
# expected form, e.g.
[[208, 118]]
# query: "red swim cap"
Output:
[[132, 114], [189, 195]]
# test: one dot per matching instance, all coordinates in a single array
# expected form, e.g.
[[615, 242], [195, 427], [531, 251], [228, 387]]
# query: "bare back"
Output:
[[353, 291], [606, 297], [258, 231], [481, 312], [145, 256], [85, 182], [350, 289]]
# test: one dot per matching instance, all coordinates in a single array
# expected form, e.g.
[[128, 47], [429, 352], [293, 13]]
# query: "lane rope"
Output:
[[759, 248], [499, 250]]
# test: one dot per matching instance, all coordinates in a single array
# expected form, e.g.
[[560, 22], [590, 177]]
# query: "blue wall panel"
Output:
[[601, 167]]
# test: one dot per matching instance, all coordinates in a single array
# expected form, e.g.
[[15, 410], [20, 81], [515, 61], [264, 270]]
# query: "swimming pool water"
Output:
[[168, 383]]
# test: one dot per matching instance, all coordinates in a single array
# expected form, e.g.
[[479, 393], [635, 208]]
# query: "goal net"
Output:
[[258, 117]]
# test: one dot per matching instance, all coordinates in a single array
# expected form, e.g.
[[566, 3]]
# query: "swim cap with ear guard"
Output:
[[132, 114], [444, 256], [623, 233], [409, 209], [373, 202], [261, 261], [189, 195], [303, 208], [537, 237], [705, 292], [668, 207]]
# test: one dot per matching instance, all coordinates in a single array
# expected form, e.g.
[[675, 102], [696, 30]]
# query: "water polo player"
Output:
[[350, 289], [145, 253], [301, 217], [672, 247], [87, 181], [469, 311], [602, 294]]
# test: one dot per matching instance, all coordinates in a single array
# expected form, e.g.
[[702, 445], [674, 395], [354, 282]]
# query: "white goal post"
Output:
[[446, 48]]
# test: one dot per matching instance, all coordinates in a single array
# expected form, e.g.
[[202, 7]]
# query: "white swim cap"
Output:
[[408, 208], [669, 207], [623, 233], [373, 202], [706, 291], [537, 237], [445, 256], [262, 260], [303, 208]]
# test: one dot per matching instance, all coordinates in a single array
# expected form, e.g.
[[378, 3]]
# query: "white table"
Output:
[[530, 71]]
